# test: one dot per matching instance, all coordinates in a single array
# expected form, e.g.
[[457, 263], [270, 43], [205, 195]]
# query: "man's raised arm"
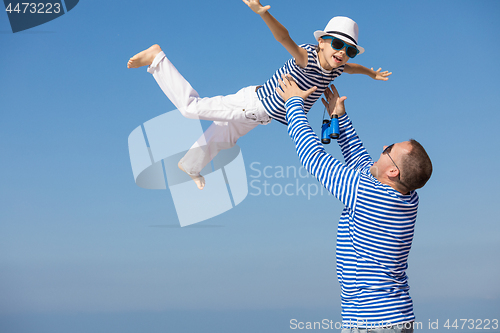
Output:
[[355, 154], [339, 180]]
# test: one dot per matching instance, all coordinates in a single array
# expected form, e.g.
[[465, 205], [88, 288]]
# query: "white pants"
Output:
[[233, 115]]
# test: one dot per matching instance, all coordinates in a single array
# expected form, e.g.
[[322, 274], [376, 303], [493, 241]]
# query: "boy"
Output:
[[235, 115]]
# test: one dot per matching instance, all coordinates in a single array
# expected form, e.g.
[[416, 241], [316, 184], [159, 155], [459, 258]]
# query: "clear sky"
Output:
[[84, 249]]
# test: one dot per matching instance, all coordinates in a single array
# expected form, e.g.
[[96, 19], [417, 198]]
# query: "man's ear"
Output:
[[393, 172]]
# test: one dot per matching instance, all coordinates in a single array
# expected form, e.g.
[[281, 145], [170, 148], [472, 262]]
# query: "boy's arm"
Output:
[[279, 32], [351, 68]]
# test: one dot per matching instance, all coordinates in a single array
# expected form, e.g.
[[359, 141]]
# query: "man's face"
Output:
[[387, 167]]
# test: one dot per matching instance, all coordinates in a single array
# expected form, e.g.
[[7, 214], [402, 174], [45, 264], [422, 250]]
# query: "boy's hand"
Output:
[[378, 75], [335, 104], [256, 6], [290, 89]]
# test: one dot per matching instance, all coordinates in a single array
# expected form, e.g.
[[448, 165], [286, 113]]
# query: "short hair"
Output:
[[416, 167], [316, 47]]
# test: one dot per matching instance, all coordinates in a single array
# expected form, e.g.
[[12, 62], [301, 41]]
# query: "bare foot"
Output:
[[144, 58], [198, 179]]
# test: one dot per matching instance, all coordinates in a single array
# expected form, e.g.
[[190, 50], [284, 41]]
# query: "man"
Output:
[[376, 227]]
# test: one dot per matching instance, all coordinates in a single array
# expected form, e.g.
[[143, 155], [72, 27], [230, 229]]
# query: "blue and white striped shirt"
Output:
[[312, 75], [375, 230]]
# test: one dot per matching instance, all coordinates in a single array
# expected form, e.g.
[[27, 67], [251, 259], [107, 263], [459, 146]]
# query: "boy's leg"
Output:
[[219, 136], [182, 95], [223, 135], [233, 115], [187, 100]]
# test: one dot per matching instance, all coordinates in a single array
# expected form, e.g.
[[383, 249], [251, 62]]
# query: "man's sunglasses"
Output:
[[386, 151], [339, 44]]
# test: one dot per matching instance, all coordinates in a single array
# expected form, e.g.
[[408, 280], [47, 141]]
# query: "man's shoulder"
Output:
[[371, 186]]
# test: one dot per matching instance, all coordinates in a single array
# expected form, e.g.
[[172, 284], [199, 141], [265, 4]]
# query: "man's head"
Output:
[[405, 166]]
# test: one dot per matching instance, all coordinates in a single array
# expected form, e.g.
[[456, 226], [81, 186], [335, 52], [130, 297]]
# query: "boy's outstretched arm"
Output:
[[279, 32], [351, 68]]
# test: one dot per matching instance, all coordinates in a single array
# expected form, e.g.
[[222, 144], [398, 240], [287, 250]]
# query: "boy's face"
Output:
[[329, 58]]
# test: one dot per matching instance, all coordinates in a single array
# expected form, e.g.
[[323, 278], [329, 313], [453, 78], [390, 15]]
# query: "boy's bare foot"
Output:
[[144, 58], [198, 179]]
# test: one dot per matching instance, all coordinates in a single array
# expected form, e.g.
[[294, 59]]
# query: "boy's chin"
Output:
[[338, 64]]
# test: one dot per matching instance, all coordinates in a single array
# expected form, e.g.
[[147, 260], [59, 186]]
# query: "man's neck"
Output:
[[394, 184]]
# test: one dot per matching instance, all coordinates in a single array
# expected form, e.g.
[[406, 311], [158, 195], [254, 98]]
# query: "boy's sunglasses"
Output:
[[339, 44]]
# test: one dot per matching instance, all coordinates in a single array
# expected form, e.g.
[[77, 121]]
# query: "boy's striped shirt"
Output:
[[375, 230], [310, 76]]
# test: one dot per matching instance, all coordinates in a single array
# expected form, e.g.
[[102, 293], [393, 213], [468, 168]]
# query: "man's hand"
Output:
[[378, 75], [256, 6], [334, 103], [290, 89]]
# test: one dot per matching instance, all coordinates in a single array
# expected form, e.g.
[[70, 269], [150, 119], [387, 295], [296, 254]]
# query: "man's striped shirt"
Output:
[[312, 75], [375, 230]]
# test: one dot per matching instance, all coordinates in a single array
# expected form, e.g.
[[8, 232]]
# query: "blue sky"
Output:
[[82, 248]]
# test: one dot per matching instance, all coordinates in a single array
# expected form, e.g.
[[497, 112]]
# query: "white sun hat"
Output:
[[343, 28]]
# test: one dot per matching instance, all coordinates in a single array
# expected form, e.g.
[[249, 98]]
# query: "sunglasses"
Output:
[[386, 151], [339, 44]]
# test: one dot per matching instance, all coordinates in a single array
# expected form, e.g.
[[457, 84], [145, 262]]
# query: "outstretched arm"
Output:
[[279, 32], [351, 68]]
